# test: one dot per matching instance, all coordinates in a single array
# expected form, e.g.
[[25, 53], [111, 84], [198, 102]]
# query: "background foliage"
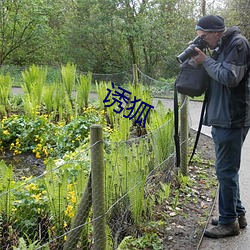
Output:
[[106, 36]]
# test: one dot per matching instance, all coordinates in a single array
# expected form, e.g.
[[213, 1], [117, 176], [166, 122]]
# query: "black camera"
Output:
[[190, 51]]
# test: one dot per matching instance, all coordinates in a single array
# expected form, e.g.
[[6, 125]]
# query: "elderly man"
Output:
[[228, 112]]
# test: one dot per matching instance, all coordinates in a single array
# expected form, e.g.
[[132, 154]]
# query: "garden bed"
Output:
[[178, 222]]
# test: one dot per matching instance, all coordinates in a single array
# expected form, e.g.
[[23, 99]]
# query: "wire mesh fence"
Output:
[[159, 87], [46, 210], [55, 210]]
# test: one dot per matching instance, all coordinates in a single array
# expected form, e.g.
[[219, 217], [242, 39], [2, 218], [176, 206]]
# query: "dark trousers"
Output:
[[228, 145]]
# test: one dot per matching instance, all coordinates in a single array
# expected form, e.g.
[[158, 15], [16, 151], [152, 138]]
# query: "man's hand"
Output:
[[200, 58]]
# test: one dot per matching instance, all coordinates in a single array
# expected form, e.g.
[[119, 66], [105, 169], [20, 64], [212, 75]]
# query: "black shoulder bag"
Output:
[[191, 81]]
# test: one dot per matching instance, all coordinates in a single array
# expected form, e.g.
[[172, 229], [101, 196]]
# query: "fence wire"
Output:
[[44, 210], [117, 78], [159, 87]]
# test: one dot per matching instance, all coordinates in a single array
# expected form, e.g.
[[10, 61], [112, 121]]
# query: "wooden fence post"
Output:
[[98, 195], [135, 74]]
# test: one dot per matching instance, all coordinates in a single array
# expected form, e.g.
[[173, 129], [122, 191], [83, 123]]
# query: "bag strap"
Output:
[[176, 126], [176, 121], [199, 127]]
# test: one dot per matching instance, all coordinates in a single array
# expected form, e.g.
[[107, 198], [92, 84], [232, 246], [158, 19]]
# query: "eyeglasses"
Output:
[[203, 36]]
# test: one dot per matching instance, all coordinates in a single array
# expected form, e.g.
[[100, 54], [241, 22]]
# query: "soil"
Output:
[[186, 223], [25, 164]]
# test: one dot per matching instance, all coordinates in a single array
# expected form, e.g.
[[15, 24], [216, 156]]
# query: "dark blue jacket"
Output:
[[228, 103]]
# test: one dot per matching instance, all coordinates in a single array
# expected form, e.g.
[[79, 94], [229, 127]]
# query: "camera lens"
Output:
[[187, 53], [190, 51]]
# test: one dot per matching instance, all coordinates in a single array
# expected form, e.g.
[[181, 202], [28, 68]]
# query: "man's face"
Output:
[[211, 38]]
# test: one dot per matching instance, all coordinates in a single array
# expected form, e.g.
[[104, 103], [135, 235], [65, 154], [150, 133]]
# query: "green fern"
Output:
[[161, 127], [83, 90], [6, 184], [48, 98], [33, 86], [102, 92], [56, 184], [5, 90], [68, 74]]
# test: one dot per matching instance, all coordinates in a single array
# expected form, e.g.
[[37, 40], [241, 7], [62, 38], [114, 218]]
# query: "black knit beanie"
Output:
[[210, 23]]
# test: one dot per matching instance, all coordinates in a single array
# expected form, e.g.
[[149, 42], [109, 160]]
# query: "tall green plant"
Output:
[[83, 90], [33, 85], [161, 126], [6, 184], [68, 74], [144, 94], [29, 245], [126, 171], [56, 185], [141, 92], [137, 178], [102, 92], [122, 128], [62, 106], [5, 90], [48, 98]]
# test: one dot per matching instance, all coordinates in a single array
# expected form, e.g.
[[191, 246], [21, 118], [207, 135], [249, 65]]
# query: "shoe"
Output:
[[221, 231], [241, 219]]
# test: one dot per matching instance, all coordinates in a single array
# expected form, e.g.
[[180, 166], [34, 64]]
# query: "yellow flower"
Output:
[[73, 199], [31, 187], [38, 156], [14, 209], [69, 211], [6, 132], [26, 178], [45, 151], [16, 152], [37, 196]]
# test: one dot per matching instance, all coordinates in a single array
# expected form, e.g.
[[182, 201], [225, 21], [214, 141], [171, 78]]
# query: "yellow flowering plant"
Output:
[[30, 205], [44, 137]]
